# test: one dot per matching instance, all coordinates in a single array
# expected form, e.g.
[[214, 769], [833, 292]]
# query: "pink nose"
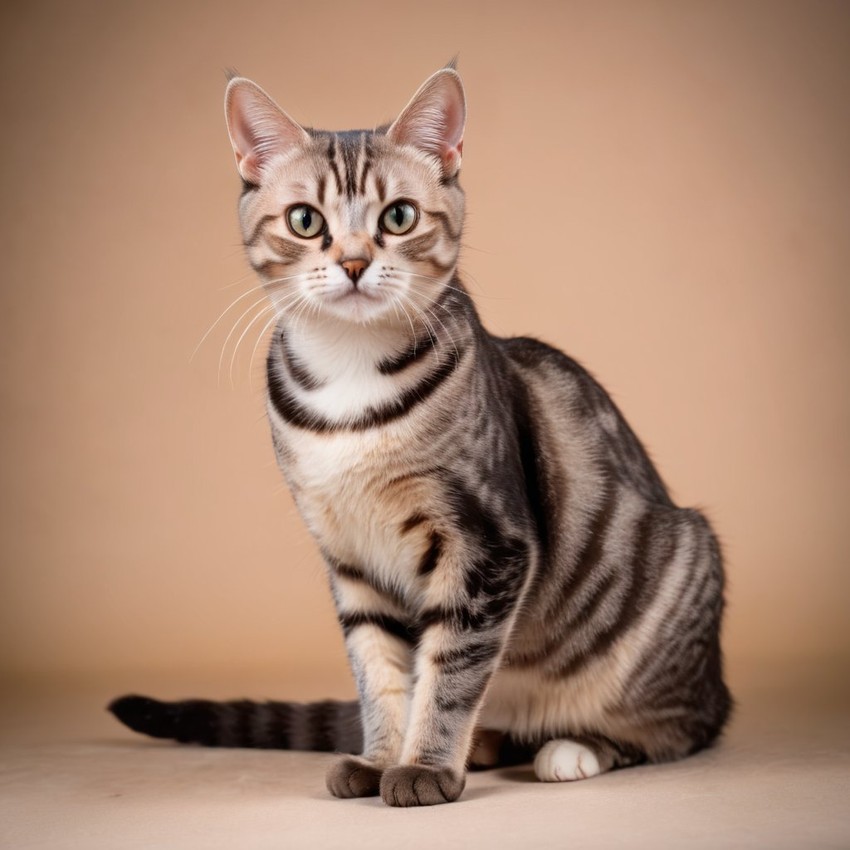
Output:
[[354, 268]]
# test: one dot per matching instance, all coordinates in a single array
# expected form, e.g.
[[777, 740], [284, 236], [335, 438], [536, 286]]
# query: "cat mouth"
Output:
[[355, 295]]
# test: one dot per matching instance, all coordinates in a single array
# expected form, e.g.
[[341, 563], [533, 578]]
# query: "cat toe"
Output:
[[418, 785], [352, 777], [565, 761]]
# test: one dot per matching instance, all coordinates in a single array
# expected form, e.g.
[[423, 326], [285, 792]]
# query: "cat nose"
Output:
[[355, 268]]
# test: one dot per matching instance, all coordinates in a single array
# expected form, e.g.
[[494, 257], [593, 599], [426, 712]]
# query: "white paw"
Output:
[[564, 761]]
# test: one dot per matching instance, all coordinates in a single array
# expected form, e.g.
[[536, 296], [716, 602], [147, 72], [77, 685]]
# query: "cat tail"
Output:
[[327, 726]]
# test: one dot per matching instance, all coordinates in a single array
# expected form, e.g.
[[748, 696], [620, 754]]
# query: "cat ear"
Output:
[[433, 121], [259, 129]]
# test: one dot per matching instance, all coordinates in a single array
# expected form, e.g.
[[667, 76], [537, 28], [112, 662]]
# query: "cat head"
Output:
[[359, 226]]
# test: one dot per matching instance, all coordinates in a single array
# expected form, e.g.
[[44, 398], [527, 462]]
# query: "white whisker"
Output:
[[263, 312], [268, 324], [233, 303]]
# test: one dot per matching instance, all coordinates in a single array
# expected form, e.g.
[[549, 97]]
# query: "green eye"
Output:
[[304, 221], [399, 218]]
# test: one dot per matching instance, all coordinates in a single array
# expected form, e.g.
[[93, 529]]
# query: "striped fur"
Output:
[[501, 551]]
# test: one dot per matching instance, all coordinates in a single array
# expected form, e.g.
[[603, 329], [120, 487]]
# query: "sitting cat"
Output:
[[502, 554]]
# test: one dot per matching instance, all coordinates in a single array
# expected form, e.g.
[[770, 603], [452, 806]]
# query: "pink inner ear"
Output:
[[434, 119], [259, 129]]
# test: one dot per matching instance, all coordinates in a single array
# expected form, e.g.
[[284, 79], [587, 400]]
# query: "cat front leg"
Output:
[[379, 645], [461, 641]]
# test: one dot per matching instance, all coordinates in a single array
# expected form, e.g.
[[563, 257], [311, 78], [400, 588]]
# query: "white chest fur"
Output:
[[356, 488]]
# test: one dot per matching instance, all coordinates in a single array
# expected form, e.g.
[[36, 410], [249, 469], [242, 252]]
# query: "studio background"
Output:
[[661, 189]]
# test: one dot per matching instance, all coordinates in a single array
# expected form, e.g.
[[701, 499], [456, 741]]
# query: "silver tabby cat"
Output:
[[511, 576]]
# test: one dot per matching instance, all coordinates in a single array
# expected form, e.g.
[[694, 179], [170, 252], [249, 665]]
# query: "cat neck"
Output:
[[332, 371], [336, 350]]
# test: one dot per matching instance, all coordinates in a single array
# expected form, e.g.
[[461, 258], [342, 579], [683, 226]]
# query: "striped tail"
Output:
[[327, 726]]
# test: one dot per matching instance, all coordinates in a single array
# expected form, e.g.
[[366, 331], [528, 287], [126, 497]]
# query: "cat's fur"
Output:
[[502, 553]]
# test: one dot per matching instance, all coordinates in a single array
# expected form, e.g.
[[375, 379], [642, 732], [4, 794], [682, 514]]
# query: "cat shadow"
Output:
[[263, 777], [524, 773]]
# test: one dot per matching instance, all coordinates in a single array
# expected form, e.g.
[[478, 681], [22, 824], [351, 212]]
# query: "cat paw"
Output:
[[353, 777], [565, 761], [419, 785]]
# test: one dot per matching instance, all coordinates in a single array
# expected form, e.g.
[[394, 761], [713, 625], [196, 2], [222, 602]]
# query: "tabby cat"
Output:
[[511, 575]]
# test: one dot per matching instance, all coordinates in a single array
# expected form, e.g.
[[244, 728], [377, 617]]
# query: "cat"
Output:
[[511, 576]]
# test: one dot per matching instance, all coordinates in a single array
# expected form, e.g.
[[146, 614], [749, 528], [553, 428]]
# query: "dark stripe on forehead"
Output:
[[334, 166], [367, 163], [350, 151], [381, 186], [320, 189]]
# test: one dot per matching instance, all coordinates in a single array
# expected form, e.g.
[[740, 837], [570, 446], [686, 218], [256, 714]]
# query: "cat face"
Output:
[[359, 226]]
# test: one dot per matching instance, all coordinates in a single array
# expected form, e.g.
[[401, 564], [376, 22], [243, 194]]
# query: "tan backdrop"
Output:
[[681, 171]]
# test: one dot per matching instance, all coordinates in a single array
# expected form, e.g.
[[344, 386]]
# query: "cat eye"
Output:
[[304, 221], [399, 218]]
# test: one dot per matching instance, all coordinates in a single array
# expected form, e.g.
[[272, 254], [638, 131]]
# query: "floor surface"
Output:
[[70, 777]]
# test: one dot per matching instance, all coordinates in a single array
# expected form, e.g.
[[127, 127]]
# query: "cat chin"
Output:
[[357, 308]]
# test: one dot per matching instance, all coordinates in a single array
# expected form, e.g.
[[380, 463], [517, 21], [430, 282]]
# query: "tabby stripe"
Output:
[[320, 725], [385, 623], [334, 166], [258, 229], [415, 247], [234, 724], [588, 559], [413, 520], [463, 618], [415, 352], [278, 724], [462, 658], [268, 268], [352, 573], [590, 554], [657, 663], [466, 699], [432, 556], [349, 159], [436, 265], [586, 611], [320, 189], [286, 249], [381, 188], [535, 476], [444, 220], [297, 415], [642, 585], [299, 373], [367, 165]]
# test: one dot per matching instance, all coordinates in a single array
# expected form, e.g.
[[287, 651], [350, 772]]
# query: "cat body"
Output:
[[502, 553]]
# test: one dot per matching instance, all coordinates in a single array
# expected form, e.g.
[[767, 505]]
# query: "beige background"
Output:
[[662, 189]]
